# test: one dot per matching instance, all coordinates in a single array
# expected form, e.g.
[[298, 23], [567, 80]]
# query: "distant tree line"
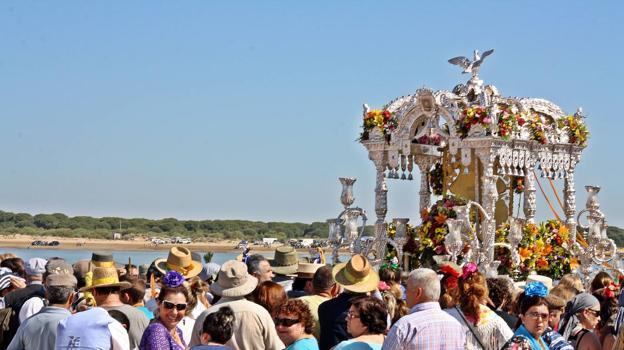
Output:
[[616, 234], [88, 227]]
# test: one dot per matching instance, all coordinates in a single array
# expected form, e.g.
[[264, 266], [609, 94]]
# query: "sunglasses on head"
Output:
[[169, 306], [286, 322]]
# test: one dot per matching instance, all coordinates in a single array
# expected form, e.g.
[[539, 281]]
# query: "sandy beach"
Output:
[[23, 241]]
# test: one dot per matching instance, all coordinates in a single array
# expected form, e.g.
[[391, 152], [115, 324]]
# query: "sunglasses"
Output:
[[170, 306], [595, 312], [286, 322]]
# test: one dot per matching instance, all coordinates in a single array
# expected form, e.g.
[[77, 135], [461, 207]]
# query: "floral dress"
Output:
[[157, 337]]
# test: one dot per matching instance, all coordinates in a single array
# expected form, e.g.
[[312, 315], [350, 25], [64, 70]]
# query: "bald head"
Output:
[[423, 286]]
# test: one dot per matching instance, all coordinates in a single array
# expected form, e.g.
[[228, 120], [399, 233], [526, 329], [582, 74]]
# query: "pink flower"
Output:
[[382, 286], [469, 269]]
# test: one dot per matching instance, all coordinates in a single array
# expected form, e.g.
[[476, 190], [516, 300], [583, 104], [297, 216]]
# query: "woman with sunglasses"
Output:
[[294, 326], [581, 317], [367, 321], [163, 333], [533, 313]]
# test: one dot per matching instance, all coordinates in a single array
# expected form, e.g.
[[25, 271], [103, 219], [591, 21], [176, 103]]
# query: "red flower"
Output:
[[451, 282], [449, 270]]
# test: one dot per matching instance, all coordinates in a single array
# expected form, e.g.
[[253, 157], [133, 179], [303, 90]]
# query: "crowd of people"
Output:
[[288, 303]]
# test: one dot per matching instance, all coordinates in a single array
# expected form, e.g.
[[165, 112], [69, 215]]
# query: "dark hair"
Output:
[[16, 265], [389, 274], [58, 294], [219, 325], [106, 290], [373, 313], [121, 318], [608, 308], [136, 292], [473, 291], [323, 280], [601, 280], [500, 291], [269, 295], [253, 263], [524, 303], [298, 308], [164, 291]]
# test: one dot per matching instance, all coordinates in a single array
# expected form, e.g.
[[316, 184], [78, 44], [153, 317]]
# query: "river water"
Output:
[[138, 257]]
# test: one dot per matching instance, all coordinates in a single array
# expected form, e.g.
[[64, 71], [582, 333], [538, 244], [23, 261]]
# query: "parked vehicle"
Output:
[[54, 243], [38, 243], [157, 241], [180, 240]]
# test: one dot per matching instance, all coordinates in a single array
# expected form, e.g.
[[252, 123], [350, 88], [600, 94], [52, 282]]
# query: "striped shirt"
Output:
[[426, 327]]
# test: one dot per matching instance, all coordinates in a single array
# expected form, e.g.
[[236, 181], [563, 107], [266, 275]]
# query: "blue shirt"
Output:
[[356, 345], [304, 344]]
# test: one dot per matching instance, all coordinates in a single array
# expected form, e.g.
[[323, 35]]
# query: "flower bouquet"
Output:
[[538, 129], [471, 117], [544, 249], [508, 121], [433, 230], [384, 120], [576, 129]]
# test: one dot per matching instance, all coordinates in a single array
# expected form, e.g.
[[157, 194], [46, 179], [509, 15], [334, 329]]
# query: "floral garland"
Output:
[[384, 120], [543, 248], [508, 122], [436, 179], [576, 129], [517, 184], [538, 129], [472, 116], [433, 140]]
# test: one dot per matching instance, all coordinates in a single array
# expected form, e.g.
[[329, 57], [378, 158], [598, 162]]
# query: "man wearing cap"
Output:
[[35, 268], [357, 277], [106, 287], [427, 326], [91, 329], [253, 326], [39, 330], [323, 288], [302, 285]]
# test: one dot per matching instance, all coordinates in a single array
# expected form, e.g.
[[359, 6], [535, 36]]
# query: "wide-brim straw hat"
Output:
[[307, 270], [285, 261], [105, 277], [234, 280], [180, 260], [356, 275]]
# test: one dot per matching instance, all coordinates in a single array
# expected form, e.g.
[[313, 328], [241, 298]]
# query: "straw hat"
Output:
[[234, 280], [285, 261], [356, 275], [307, 270], [180, 260], [547, 281], [105, 277]]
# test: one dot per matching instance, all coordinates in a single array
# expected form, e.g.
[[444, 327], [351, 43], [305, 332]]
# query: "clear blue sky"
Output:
[[249, 110]]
